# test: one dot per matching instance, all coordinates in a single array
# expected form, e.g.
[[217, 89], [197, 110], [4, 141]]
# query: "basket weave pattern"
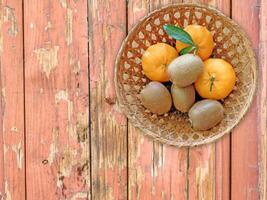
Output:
[[231, 44]]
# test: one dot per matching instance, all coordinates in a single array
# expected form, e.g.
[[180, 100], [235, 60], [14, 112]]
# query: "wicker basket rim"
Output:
[[247, 44]]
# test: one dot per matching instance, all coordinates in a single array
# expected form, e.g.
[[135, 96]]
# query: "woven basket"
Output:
[[232, 45]]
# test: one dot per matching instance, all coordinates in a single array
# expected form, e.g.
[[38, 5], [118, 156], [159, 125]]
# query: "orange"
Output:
[[217, 80], [156, 59], [202, 37]]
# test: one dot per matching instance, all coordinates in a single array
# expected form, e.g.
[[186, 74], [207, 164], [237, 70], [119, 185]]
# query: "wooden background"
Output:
[[62, 134]]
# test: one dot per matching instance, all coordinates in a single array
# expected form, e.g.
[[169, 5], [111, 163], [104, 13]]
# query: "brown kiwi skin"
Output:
[[183, 98], [156, 98], [184, 70], [206, 114]]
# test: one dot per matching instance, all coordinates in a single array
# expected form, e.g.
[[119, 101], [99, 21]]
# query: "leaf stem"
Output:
[[212, 79], [195, 50]]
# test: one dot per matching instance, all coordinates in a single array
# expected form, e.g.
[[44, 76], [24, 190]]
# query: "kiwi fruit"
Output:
[[156, 98], [183, 98], [184, 70], [206, 114]]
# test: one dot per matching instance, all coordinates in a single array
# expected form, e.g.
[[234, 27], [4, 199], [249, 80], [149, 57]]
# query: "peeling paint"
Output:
[[141, 7], [157, 157], [76, 65], [66, 165], [53, 147], [7, 192], [204, 180], [41, 90], [63, 3], [10, 17], [69, 22], [83, 139], [31, 25], [48, 26], [14, 129], [83, 136], [19, 154], [68, 162], [64, 96], [137, 183], [106, 33], [61, 95], [47, 58], [83, 126], [80, 195], [5, 148]]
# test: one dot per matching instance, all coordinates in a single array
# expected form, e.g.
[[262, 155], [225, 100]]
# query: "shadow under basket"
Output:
[[231, 44]]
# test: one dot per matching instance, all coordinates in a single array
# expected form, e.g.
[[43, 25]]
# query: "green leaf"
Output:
[[178, 34], [187, 50]]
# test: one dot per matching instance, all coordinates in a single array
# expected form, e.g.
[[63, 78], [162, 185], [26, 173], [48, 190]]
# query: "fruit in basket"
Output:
[[183, 98], [201, 37], [156, 59], [206, 114], [156, 98], [185, 70], [217, 80]]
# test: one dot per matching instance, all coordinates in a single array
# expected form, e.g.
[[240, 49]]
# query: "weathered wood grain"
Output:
[[156, 171], [12, 98], [56, 99], [107, 28], [263, 101], [201, 172], [222, 168], [2, 173], [209, 165], [244, 183]]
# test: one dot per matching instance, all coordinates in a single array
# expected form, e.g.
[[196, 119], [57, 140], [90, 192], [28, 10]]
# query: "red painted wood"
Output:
[[245, 137], [107, 25], [209, 165], [2, 173], [156, 171], [262, 102], [222, 168], [57, 103], [12, 108]]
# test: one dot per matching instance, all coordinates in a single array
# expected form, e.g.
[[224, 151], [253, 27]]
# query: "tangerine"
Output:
[[217, 79], [203, 39], [156, 59]]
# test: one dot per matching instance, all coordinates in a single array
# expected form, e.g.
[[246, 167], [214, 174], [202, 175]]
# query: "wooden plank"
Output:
[[2, 173], [245, 136], [12, 109], [222, 168], [156, 171], [209, 165], [57, 99], [201, 172], [2, 164], [263, 101], [107, 28]]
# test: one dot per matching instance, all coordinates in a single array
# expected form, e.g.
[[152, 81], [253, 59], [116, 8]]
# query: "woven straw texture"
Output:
[[231, 44]]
